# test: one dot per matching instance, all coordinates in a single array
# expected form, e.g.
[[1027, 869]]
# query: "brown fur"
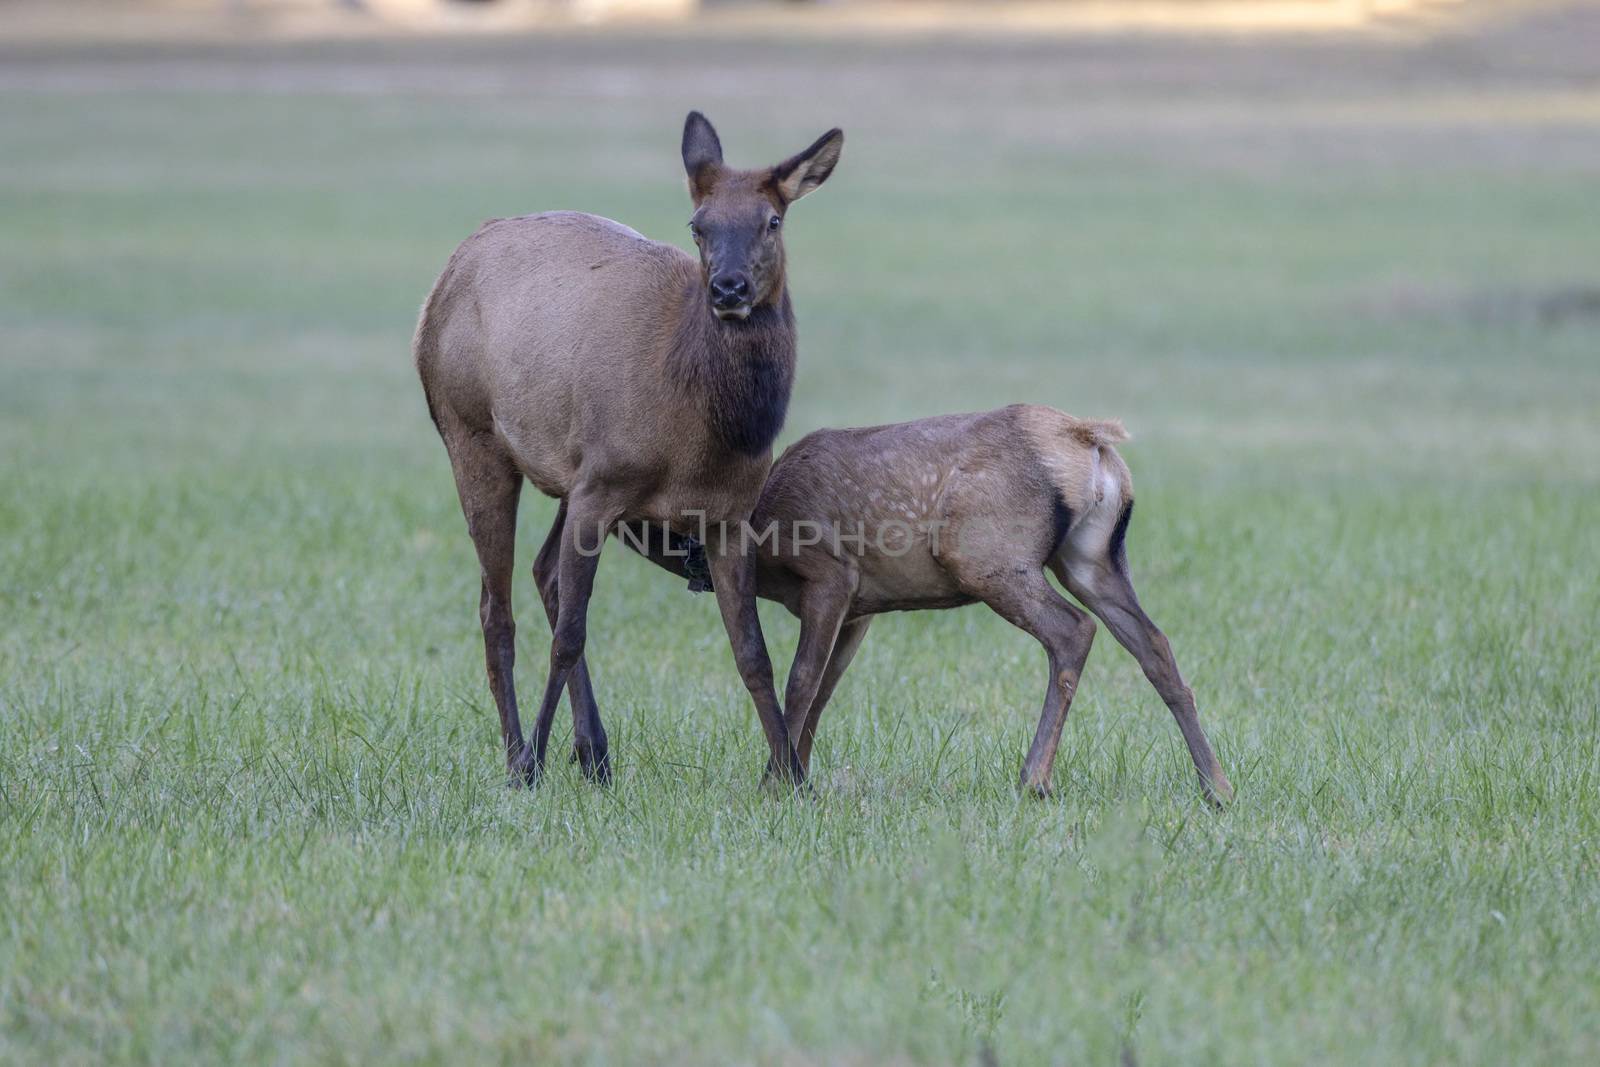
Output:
[[571, 351], [999, 498]]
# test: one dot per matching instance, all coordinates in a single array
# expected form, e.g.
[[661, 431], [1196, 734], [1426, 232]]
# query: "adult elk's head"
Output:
[[738, 215]]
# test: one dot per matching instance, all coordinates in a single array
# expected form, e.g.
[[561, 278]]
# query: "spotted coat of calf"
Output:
[[955, 510]]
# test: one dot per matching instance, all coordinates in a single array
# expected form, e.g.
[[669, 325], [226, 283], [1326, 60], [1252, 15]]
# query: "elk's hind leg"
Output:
[[1095, 570], [589, 745], [1025, 598], [489, 486], [582, 536]]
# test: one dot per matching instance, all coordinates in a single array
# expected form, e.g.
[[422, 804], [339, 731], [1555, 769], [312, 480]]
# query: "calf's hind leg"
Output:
[[1100, 579], [1030, 603]]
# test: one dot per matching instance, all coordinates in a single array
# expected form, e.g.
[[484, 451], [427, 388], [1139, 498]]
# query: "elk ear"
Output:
[[702, 155], [798, 175]]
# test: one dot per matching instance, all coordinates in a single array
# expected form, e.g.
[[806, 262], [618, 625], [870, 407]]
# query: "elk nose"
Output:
[[730, 290]]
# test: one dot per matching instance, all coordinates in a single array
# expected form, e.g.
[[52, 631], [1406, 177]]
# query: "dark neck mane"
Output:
[[741, 372]]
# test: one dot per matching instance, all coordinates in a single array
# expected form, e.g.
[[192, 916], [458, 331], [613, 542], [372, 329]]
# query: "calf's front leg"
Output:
[[823, 606], [733, 575]]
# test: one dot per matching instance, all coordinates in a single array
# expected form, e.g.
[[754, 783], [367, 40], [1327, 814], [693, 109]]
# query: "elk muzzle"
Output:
[[730, 296]]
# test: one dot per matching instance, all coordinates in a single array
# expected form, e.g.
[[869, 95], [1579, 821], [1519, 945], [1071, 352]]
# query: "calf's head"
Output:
[[738, 215]]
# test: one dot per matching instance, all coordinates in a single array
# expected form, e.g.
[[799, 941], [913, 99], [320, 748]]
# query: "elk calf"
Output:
[[955, 510]]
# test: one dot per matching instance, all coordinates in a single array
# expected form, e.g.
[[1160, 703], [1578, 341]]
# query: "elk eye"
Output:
[[694, 231], [774, 222]]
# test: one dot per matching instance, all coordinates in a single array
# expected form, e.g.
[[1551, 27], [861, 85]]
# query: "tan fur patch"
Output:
[[1078, 455], [1093, 432]]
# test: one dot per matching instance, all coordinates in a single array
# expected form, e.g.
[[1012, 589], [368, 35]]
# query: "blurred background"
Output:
[[1343, 233], [154, 18]]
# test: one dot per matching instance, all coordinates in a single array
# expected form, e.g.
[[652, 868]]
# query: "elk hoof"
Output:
[[523, 769], [1037, 790], [594, 761], [1219, 791], [792, 778]]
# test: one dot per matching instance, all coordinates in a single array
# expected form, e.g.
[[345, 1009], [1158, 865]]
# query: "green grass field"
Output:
[[251, 799]]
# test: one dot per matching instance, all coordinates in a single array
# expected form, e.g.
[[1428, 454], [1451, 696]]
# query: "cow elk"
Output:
[[632, 381]]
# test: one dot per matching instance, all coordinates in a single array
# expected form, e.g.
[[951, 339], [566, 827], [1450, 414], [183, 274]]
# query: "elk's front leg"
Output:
[[844, 650], [733, 575], [823, 606]]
